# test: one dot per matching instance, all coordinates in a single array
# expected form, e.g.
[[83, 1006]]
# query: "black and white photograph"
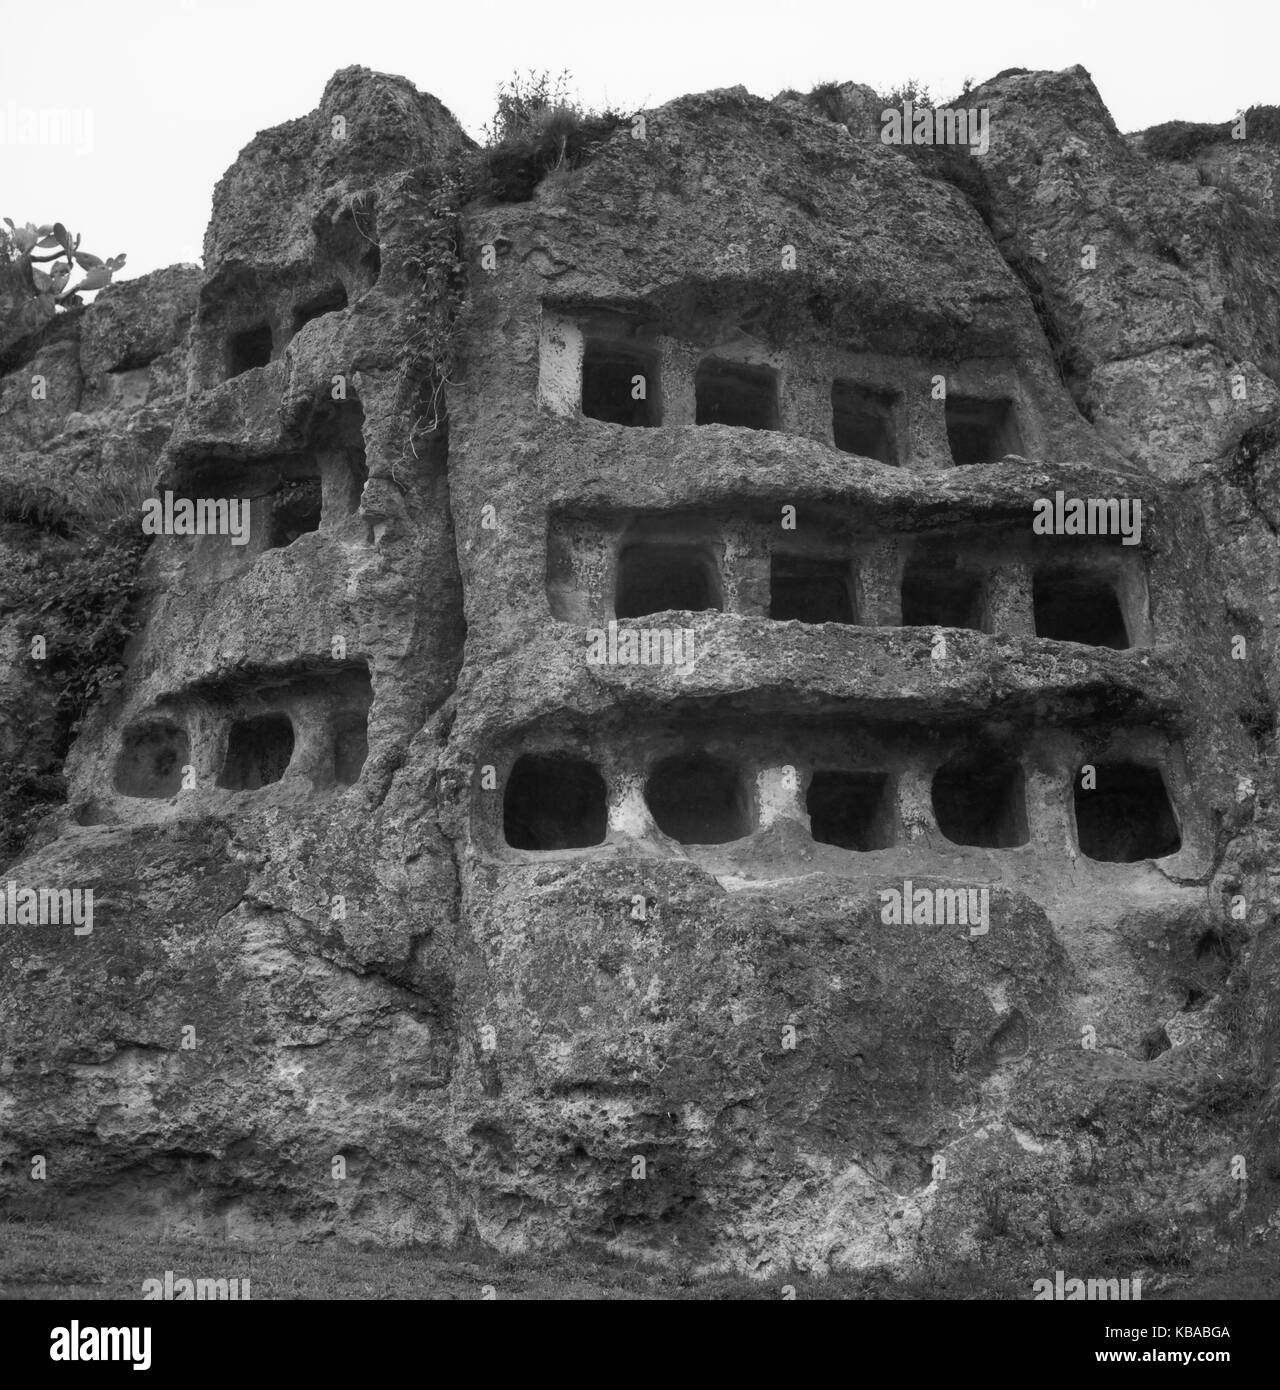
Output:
[[639, 656]]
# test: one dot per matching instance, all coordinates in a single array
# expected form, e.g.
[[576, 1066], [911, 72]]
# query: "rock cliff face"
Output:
[[503, 838]]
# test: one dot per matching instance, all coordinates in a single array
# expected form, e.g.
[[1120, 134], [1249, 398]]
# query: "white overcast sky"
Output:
[[175, 88]]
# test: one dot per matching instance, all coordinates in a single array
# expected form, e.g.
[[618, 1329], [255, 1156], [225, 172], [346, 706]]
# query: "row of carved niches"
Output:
[[993, 579], [840, 793], [247, 317], [288, 496], [898, 411], [303, 732]]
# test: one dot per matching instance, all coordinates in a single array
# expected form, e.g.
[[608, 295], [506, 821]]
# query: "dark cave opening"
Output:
[[735, 393], [852, 810], [655, 576], [981, 431], [698, 799], [1078, 606], [248, 349], [259, 751], [862, 421], [808, 589], [1127, 815], [554, 802], [151, 760], [610, 388], [979, 798]]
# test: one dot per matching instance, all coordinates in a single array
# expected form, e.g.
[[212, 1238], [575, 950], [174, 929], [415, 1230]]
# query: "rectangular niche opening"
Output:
[[981, 431], [296, 508], [327, 301], [810, 589], [1078, 606], [735, 393], [852, 810], [862, 421], [248, 349], [938, 590], [656, 577], [620, 384], [259, 750], [1126, 815], [979, 798], [698, 799], [151, 760], [554, 802]]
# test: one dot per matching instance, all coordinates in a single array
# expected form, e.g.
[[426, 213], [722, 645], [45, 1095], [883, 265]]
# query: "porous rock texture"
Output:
[[325, 992]]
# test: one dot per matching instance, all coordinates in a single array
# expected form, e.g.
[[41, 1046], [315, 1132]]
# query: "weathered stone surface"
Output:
[[720, 1051]]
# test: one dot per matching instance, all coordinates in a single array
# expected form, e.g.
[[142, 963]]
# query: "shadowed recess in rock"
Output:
[[938, 590], [979, 799], [151, 760], [1078, 606], [259, 751], [610, 389], [248, 349], [852, 810], [862, 421], [809, 589], [350, 746], [328, 301], [733, 393], [1127, 816], [554, 802], [981, 431], [654, 577], [699, 800]]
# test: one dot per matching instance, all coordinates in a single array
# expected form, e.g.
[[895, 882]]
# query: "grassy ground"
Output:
[[45, 1261]]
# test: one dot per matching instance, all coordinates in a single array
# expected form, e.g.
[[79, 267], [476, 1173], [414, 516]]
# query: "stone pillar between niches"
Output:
[[1135, 601], [925, 427], [560, 348], [918, 825], [1008, 603], [628, 814], [878, 584], [778, 796], [1048, 830], [1049, 771], [806, 404], [745, 572], [679, 363]]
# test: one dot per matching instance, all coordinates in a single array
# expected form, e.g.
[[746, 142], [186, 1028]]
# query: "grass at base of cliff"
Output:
[[40, 1260]]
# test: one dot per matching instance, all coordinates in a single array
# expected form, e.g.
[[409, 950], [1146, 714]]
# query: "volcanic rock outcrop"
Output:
[[642, 588]]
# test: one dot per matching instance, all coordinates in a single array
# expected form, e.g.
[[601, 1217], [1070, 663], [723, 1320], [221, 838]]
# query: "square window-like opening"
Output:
[[151, 760], [939, 591], [807, 589], [852, 810], [619, 384], [862, 421], [258, 752], [654, 578], [328, 301], [554, 802], [981, 431], [734, 393], [296, 508], [698, 800], [1078, 607], [1125, 815], [979, 798], [248, 349]]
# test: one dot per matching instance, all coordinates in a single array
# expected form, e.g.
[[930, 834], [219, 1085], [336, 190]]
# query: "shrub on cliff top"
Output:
[[1182, 139], [538, 127]]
